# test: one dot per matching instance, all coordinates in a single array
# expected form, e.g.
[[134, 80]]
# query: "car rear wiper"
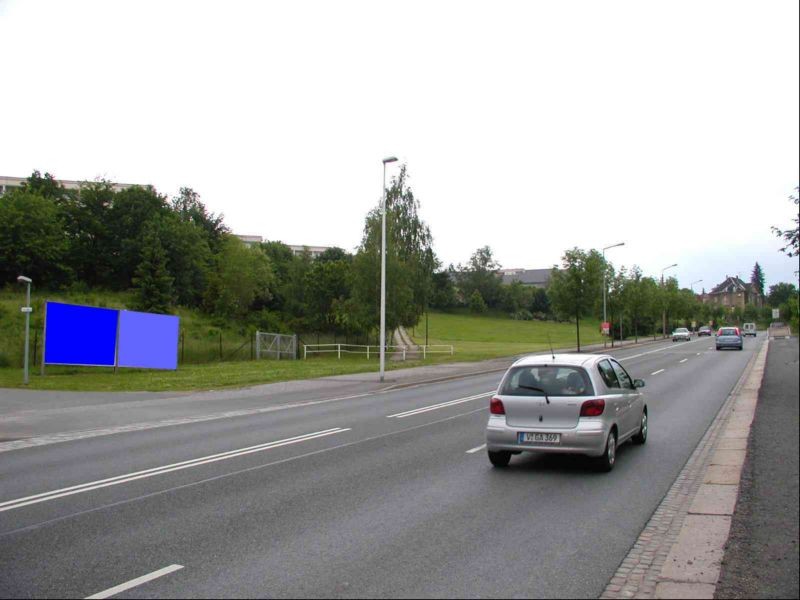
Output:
[[535, 389]]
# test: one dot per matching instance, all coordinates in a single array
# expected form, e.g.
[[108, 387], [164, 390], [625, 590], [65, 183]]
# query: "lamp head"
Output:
[[390, 159], [23, 279]]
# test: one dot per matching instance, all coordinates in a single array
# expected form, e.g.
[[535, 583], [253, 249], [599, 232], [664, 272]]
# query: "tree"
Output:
[[791, 236], [476, 303], [93, 249], [334, 254], [45, 186], [575, 288], [32, 240], [443, 292], [780, 293], [241, 280], [481, 274], [410, 260], [540, 303], [757, 279], [188, 207], [132, 210], [152, 283]]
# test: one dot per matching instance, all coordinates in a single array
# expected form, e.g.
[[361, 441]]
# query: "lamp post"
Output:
[[691, 285], [387, 160], [27, 310], [605, 319], [664, 308]]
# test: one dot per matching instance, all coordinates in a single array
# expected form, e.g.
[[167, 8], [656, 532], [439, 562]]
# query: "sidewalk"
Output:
[[761, 556]]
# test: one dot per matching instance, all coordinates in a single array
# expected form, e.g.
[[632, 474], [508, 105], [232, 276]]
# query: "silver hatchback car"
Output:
[[566, 403]]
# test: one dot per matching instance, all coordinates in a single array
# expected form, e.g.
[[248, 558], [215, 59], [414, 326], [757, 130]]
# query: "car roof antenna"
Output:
[[549, 341]]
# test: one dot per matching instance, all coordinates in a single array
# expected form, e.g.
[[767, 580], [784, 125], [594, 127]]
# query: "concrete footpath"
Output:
[[681, 551], [761, 556]]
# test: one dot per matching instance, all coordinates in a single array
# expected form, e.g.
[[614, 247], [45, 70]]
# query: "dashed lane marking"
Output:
[[478, 449], [657, 372], [117, 589]]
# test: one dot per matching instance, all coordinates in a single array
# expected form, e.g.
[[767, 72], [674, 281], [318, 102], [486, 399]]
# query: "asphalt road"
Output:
[[350, 497]]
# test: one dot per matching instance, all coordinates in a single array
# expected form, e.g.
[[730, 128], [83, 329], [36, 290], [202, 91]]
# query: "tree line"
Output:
[[174, 251]]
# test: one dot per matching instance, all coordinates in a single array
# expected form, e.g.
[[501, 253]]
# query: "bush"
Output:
[[4, 360], [477, 304], [522, 315]]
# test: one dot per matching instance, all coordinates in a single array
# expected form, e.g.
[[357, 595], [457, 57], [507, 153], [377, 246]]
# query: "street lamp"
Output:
[[691, 285], [27, 310], [605, 319], [387, 160], [664, 308]]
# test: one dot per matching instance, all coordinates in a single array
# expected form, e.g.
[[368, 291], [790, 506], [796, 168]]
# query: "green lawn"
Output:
[[473, 337], [210, 376], [481, 337]]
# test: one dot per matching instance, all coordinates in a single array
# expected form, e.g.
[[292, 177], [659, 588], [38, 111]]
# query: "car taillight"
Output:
[[593, 408], [496, 407]]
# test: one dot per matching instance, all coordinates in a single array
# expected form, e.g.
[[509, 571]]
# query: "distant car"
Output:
[[749, 329], [729, 337], [704, 330], [681, 334], [568, 404]]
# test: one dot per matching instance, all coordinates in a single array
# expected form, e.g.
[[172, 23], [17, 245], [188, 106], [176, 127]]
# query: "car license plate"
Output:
[[541, 438]]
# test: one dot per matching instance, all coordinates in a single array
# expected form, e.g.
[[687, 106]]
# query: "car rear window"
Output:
[[728, 331], [682, 330], [547, 379]]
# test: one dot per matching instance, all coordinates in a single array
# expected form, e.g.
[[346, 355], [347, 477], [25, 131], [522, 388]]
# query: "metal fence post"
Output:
[[339, 350], [424, 351], [367, 351], [305, 351], [404, 352], [258, 345]]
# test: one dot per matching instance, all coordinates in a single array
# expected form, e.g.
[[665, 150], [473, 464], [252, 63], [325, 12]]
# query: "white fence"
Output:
[[275, 345], [373, 351]]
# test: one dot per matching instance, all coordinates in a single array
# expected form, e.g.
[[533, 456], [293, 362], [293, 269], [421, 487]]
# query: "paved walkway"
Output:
[[761, 557]]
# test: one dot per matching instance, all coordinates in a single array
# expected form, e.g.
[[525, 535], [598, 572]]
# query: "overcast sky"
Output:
[[530, 127]]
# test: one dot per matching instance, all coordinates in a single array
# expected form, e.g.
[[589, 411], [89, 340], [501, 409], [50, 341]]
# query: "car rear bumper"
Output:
[[588, 437]]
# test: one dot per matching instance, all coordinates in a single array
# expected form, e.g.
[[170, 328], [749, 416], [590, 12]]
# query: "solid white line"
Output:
[[424, 409], [684, 360], [478, 449], [698, 354], [657, 372], [94, 485], [134, 582]]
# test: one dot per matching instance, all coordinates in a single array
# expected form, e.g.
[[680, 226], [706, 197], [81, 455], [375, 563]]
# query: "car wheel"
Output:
[[499, 459], [608, 460], [641, 437]]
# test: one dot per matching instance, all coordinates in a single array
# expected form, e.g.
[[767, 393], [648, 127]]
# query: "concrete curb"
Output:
[[680, 550]]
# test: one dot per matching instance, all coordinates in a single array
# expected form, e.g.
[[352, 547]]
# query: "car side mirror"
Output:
[[638, 383]]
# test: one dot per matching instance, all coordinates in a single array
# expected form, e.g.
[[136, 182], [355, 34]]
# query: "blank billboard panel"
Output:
[[147, 340], [80, 335]]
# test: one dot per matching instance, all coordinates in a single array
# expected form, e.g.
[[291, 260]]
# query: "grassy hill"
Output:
[[478, 337], [474, 337]]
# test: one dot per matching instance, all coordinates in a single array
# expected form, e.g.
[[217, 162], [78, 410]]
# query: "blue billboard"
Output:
[[148, 340], [80, 335]]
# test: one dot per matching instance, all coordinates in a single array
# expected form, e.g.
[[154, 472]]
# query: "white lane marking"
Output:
[[650, 352], [135, 582], [478, 449], [238, 472], [424, 409], [657, 372], [94, 485], [711, 347], [698, 354], [684, 360]]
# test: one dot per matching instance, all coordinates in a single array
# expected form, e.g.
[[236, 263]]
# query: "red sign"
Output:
[[605, 328]]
